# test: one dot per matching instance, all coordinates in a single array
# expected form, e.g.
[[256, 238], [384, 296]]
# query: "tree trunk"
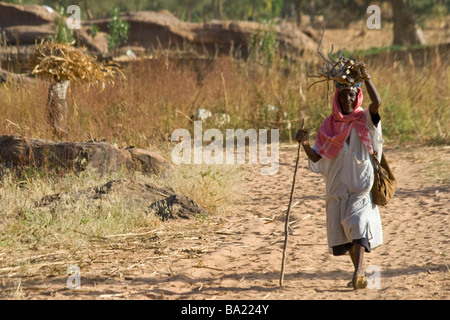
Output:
[[219, 9], [214, 9], [312, 12], [57, 109], [406, 31], [298, 9], [88, 11], [188, 14]]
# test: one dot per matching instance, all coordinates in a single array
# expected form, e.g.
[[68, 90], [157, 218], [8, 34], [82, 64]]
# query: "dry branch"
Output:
[[287, 224]]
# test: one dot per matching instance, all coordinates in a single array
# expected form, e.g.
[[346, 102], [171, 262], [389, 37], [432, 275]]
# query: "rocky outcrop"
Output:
[[28, 34], [26, 24], [162, 30], [32, 15], [77, 156], [6, 76]]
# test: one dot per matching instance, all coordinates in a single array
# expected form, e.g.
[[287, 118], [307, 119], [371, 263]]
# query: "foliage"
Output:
[[118, 31], [263, 44], [93, 31], [62, 33], [336, 12]]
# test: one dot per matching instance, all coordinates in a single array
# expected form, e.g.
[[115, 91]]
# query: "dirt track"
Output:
[[239, 256]]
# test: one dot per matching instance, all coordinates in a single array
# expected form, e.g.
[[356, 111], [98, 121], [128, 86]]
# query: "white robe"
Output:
[[349, 178]]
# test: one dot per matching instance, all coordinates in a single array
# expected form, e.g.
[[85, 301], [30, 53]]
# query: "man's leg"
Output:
[[356, 252]]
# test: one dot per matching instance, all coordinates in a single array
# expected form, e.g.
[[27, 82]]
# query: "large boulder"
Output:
[[77, 156], [161, 30], [151, 29], [32, 15], [26, 24], [6, 76], [28, 34], [145, 161], [98, 44], [223, 37], [154, 30]]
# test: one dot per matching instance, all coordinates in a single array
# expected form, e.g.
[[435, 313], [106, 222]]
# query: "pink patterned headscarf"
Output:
[[336, 128]]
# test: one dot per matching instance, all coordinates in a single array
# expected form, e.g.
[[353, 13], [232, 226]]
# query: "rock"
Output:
[[159, 200], [26, 24], [76, 156], [25, 34], [177, 206], [143, 193], [155, 30], [16, 58], [146, 161], [98, 44], [31, 15], [6, 76], [30, 34], [149, 29]]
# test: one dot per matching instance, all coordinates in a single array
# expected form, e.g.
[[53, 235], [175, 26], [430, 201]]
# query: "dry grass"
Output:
[[160, 95], [74, 220], [63, 223]]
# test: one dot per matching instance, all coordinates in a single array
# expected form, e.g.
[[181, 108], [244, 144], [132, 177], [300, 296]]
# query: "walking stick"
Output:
[[286, 227]]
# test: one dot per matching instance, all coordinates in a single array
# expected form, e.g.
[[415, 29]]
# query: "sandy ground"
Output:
[[239, 256]]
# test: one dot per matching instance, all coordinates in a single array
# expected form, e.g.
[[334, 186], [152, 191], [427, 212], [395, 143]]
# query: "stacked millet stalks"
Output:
[[61, 63]]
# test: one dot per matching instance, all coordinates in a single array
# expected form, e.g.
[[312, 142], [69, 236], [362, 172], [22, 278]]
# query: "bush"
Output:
[[118, 31]]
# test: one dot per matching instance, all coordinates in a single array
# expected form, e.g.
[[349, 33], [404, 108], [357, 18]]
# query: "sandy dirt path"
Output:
[[239, 256]]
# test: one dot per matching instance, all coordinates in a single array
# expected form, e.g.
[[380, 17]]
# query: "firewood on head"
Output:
[[342, 70]]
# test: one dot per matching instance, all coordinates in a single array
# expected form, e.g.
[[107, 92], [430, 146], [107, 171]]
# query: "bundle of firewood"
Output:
[[342, 70]]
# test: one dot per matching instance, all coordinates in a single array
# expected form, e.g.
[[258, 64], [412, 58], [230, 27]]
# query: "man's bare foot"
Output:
[[359, 281]]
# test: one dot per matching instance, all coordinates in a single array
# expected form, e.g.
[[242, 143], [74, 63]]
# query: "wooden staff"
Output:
[[286, 227]]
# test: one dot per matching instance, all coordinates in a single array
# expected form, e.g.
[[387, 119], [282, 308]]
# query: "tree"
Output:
[[216, 6], [298, 11], [192, 6], [406, 30]]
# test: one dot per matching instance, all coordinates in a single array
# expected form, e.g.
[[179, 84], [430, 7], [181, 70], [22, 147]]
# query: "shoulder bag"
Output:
[[383, 188]]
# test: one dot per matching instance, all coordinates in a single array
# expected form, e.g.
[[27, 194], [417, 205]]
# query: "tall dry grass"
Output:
[[159, 96]]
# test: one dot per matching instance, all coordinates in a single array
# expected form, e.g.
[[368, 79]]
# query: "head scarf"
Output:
[[347, 86], [336, 128]]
